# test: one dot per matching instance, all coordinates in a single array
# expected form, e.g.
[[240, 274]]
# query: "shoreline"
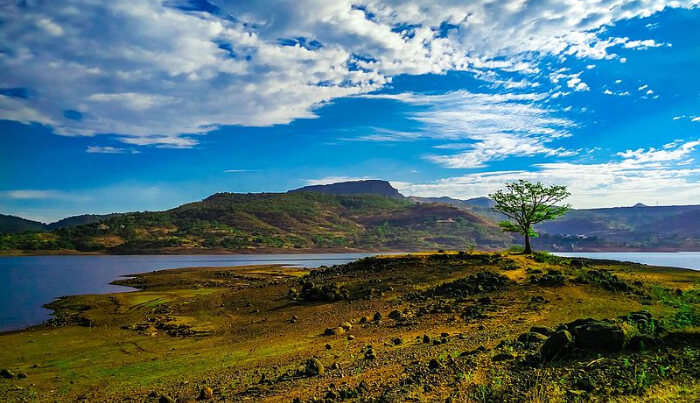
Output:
[[300, 251]]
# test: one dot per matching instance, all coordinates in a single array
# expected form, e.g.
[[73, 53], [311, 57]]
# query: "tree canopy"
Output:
[[527, 204]]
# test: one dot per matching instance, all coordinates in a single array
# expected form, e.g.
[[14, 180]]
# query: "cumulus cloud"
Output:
[[157, 72], [636, 176]]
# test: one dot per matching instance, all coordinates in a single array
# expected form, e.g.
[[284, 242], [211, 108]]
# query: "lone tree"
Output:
[[527, 204]]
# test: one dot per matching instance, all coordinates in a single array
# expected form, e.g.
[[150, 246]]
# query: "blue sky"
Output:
[[128, 106]]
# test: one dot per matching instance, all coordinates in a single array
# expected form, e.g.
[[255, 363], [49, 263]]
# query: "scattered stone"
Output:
[[206, 393], [328, 347], [426, 339], [334, 331], [313, 367], [351, 337], [551, 279], [165, 399], [21, 375], [377, 317], [396, 315], [434, 364], [364, 320], [370, 354], [346, 326], [6, 373], [397, 341]]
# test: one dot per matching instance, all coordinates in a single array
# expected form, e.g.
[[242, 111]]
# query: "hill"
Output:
[[271, 221], [12, 224], [373, 187], [80, 220]]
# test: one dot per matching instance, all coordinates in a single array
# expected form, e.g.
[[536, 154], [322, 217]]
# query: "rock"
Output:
[[434, 364], [6, 373], [21, 375], [532, 337], [426, 338], [313, 367], [165, 399], [597, 335], [397, 341], [328, 347], [346, 325], [364, 320], [557, 345], [542, 330], [377, 317], [351, 337], [538, 299], [206, 393]]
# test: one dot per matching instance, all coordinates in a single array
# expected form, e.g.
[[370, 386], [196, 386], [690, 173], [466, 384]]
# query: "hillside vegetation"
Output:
[[298, 220]]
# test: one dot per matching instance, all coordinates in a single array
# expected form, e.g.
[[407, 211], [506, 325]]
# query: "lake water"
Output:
[[28, 282], [688, 260]]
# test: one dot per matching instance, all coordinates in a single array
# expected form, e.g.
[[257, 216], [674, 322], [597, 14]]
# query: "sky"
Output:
[[130, 106]]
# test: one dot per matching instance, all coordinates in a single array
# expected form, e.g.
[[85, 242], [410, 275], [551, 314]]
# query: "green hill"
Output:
[[297, 220], [13, 224]]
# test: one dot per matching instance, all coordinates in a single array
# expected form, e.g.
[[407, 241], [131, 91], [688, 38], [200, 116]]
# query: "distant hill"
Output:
[[80, 220], [12, 224], [373, 187], [361, 215], [638, 227], [295, 220]]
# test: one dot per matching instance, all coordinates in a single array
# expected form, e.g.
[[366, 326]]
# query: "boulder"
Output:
[[165, 399], [346, 325], [557, 345], [597, 335], [6, 373], [377, 317]]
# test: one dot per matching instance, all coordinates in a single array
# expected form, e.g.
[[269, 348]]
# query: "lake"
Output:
[[688, 260], [28, 282]]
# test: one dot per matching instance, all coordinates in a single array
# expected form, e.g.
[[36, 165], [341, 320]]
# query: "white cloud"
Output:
[[109, 150], [642, 87], [238, 171], [645, 175], [498, 125], [39, 194], [623, 60], [335, 179], [155, 74]]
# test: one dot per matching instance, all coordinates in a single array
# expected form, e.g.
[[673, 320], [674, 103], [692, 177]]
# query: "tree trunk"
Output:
[[528, 248]]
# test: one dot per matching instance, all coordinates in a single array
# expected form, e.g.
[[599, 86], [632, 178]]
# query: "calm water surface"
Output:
[[688, 260], [28, 282]]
